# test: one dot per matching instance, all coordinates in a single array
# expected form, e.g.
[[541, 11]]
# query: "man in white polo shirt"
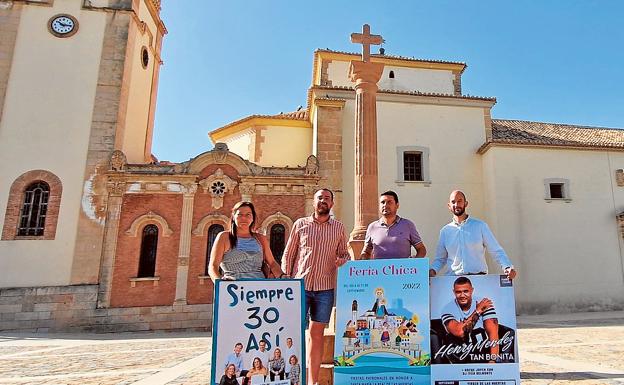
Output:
[[464, 242]]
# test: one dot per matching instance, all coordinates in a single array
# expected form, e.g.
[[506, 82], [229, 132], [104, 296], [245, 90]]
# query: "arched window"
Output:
[[34, 209], [147, 260], [278, 238], [213, 231], [391, 75]]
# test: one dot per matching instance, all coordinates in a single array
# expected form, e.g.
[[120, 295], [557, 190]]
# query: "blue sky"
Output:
[[552, 61]]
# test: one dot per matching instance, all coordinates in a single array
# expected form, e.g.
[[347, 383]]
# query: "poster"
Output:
[[473, 331], [257, 321], [382, 323]]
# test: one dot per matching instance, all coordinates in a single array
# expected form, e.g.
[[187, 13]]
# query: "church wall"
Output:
[[200, 287], [285, 146], [405, 79], [139, 87], [240, 143], [62, 118], [328, 148], [200, 290], [146, 293], [580, 263], [451, 133], [413, 79], [9, 23]]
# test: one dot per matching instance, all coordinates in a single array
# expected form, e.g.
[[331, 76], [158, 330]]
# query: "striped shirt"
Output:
[[312, 250]]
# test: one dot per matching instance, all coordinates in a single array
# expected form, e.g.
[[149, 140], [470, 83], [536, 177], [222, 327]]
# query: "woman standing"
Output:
[[241, 252]]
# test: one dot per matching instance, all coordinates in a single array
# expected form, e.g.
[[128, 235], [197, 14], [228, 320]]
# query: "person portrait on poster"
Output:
[[469, 329]]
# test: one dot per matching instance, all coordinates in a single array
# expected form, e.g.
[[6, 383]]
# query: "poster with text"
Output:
[[258, 332], [473, 331], [382, 323]]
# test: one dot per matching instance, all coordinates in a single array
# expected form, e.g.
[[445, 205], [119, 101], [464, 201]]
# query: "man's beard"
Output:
[[322, 210], [459, 211]]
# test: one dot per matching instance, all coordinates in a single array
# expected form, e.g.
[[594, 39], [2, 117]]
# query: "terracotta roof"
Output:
[[392, 57], [295, 115], [414, 93], [555, 134]]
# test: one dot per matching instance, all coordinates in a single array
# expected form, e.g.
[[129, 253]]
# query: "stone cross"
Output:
[[366, 39], [365, 74]]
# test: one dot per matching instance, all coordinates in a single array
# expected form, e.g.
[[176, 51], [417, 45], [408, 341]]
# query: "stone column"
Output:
[[184, 250], [365, 75], [111, 229], [246, 190]]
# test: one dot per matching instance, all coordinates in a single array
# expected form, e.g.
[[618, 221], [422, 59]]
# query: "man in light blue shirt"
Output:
[[464, 242], [236, 358]]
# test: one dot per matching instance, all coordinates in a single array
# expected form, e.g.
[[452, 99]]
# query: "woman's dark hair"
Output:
[[233, 237], [253, 364]]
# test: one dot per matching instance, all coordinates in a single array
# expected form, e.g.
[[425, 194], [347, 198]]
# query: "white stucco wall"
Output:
[[45, 125], [451, 133], [239, 143], [139, 91], [568, 253], [405, 78], [285, 146]]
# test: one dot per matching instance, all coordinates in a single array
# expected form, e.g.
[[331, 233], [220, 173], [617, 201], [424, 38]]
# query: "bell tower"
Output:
[[78, 80]]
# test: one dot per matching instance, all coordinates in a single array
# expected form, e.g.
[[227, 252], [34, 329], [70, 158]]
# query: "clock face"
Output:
[[63, 25]]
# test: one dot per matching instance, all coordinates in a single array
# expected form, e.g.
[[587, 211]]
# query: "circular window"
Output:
[[144, 57], [218, 188]]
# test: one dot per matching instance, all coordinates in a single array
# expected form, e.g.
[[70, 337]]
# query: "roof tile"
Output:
[[555, 134]]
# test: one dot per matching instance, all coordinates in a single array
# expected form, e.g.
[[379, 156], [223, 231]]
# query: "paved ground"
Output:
[[577, 349]]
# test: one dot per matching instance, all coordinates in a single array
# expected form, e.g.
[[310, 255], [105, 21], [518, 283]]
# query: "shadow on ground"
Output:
[[567, 376]]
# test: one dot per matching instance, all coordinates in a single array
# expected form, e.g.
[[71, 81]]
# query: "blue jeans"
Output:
[[319, 304]]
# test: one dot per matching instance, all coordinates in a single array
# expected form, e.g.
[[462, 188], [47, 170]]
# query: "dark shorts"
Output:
[[319, 304]]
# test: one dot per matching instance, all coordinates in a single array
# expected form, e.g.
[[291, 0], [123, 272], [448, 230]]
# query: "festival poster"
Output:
[[258, 321], [468, 347], [382, 323]]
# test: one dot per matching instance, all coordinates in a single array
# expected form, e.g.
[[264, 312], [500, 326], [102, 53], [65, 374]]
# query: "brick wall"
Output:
[[146, 293], [201, 291], [73, 309]]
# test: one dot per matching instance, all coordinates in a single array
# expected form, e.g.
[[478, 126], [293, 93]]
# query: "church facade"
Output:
[[100, 235]]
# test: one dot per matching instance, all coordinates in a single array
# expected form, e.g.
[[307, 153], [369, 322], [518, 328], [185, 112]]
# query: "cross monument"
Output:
[[365, 74]]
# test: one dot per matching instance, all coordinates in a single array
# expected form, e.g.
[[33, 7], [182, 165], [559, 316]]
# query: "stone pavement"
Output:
[[576, 349]]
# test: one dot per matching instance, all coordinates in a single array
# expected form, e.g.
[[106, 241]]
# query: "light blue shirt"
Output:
[[237, 360], [464, 244]]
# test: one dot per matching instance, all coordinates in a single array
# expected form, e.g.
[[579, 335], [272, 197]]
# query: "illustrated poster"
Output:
[[469, 346], [382, 323], [258, 322]]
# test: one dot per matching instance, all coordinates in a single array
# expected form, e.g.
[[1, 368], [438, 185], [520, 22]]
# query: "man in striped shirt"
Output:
[[317, 246]]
